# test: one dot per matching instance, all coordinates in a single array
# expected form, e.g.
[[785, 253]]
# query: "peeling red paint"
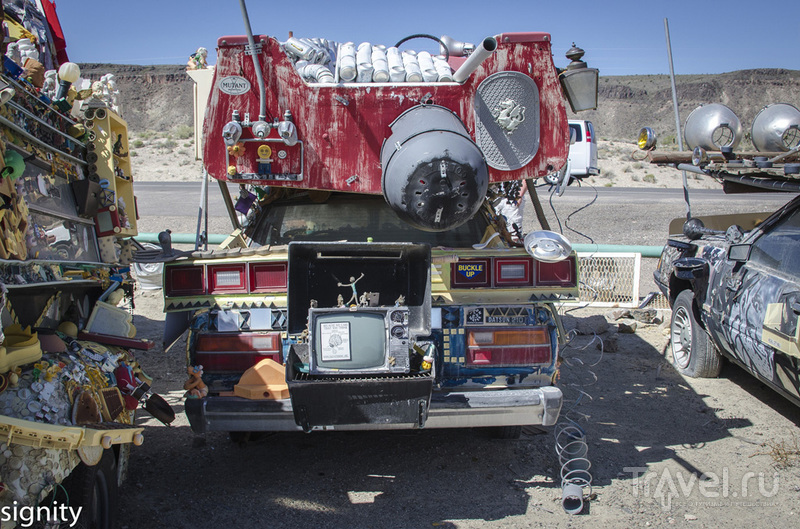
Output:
[[342, 127]]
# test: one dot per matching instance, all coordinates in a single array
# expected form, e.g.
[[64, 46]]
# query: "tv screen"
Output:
[[349, 341]]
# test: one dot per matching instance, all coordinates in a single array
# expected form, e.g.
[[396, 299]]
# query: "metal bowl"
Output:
[[712, 127], [776, 128]]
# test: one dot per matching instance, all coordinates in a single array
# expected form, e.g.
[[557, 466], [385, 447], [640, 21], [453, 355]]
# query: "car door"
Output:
[[759, 302]]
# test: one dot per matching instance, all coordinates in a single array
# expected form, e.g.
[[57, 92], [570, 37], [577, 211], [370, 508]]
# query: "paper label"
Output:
[[335, 341]]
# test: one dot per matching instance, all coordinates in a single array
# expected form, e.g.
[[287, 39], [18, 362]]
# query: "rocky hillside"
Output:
[[154, 98], [159, 98], [628, 103]]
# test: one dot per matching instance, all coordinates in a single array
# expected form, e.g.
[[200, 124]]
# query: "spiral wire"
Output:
[[570, 438]]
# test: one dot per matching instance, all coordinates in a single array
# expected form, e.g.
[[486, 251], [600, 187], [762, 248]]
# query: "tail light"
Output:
[[559, 274], [235, 352], [513, 272], [236, 278], [265, 277], [184, 281], [589, 132], [508, 272], [509, 347], [231, 279]]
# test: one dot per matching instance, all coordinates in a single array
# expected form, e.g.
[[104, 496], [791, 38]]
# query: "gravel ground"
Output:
[[710, 453]]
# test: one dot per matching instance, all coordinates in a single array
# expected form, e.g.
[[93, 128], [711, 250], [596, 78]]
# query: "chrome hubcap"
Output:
[[681, 334]]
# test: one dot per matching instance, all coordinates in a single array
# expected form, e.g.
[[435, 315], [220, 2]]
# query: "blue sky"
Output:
[[620, 38]]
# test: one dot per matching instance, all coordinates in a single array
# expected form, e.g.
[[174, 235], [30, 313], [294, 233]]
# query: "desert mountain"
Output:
[[159, 98]]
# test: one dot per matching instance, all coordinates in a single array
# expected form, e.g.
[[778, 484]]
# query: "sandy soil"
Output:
[[718, 453], [708, 453], [170, 157]]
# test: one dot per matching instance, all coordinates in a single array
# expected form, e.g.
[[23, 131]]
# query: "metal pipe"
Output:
[[228, 201], [179, 238], [677, 119], [693, 168], [646, 251], [262, 88], [481, 53], [202, 232]]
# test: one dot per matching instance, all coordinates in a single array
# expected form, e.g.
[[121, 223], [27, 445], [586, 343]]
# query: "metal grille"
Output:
[[656, 300], [609, 279], [507, 120]]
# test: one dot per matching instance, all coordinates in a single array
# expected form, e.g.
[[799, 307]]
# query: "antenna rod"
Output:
[[262, 96], [677, 119]]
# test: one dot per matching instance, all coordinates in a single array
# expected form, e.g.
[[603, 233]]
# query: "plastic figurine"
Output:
[[198, 60], [352, 284], [195, 387], [118, 147]]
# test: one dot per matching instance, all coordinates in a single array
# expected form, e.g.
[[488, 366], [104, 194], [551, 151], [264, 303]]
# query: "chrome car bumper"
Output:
[[454, 409]]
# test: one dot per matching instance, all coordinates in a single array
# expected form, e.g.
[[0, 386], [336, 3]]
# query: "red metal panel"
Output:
[[343, 126]]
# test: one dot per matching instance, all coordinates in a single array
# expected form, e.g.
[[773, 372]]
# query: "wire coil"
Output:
[[570, 440]]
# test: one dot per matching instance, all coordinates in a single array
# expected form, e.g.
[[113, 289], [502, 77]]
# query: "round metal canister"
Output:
[[712, 127], [433, 175], [776, 128]]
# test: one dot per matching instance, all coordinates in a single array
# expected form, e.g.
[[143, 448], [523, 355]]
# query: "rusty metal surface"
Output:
[[343, 126]]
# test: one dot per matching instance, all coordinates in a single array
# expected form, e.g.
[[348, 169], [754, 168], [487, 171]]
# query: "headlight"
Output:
[[647, 139]]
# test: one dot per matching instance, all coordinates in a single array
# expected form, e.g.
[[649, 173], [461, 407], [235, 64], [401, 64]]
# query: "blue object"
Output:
[[13, 69]]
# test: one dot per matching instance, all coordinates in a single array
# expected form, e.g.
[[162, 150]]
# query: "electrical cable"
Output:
[[566, 222]]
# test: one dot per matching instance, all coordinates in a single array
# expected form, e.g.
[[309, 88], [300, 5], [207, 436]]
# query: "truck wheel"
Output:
[[507, 432], [693, 353], [95, 489]]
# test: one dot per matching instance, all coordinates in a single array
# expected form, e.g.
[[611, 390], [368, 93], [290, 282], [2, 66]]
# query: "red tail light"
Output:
[[266, 277], [560, 274], [235, 352], [508, 272], [231, 279], [184, 281], [589, 133], [509, 347]]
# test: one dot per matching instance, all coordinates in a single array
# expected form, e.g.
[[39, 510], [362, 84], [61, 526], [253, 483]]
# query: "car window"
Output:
[[352, 218], [576, 130], [779, 248]]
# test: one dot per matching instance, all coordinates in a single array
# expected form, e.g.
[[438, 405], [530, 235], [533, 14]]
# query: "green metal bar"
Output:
[[179, 238], [646, 251]]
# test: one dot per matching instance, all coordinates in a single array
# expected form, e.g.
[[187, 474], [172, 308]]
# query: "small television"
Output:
[[359, 340]]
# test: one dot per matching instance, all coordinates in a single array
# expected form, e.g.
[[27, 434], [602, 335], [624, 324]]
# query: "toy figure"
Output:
[[339, 301], [195, 387], [197, 61], [352, 284], [118, 147]]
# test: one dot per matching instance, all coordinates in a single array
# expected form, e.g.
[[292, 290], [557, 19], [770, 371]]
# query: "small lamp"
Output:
[[579, 82], [68, 73]]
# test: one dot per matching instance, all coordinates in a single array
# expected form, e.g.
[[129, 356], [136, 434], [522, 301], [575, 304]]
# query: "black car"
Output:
[[736, 295]]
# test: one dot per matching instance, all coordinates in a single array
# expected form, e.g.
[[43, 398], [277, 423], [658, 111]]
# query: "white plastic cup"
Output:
[[413, 72], [364, 62], [443, 69], [380, 65], [397, 72], [425, 61], [347, 62]]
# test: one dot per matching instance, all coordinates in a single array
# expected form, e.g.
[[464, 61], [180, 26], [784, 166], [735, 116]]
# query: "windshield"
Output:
[[352, 218]]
